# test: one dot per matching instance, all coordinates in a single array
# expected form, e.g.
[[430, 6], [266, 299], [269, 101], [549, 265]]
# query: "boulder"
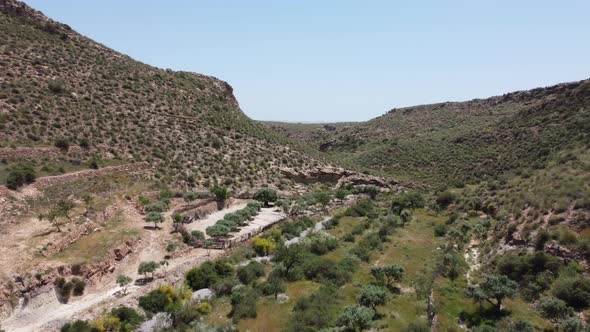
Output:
[[203, 294]]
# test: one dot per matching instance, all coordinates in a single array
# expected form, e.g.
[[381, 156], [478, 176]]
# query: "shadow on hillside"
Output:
[[482, 315], [143, 281]]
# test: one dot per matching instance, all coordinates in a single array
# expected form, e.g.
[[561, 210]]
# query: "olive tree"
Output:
[[388, 275], [146, 268], [154, 217], [372, 296], [123, 281], [493, 289], [356, 318], [220, 192], [266, 196]]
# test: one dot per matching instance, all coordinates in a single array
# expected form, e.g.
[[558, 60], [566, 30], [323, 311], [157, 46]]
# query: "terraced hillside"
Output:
[[56, 85]]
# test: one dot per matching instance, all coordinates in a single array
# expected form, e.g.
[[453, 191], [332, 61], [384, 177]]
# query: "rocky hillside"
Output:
[[456, 143], [59, 86]]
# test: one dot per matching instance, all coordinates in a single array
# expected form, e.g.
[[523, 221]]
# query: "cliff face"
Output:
[[57, 84]]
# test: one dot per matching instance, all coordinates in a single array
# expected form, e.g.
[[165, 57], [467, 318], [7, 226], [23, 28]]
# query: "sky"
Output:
[[340, 60]]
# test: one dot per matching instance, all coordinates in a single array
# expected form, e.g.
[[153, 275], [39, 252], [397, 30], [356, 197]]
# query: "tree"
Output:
[[88, 199], [19, 175], [52, 218], [266, 195], [388, 275], [60, 210], [274, 284], [554, 309], [123, 281], [372, 296], [220, 192], [322, 197], [146, 268], [154, 217], [63, 209], [290, 256], [356, 318], [493, 288]]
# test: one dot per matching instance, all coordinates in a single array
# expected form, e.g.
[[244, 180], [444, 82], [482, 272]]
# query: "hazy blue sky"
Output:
[[313, 60]]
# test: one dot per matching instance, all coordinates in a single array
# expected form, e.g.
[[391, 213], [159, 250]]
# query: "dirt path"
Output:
[[471, 256], [45, 313]]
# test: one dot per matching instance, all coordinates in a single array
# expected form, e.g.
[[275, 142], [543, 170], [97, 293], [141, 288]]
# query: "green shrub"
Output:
[[62, 143], [440, 230], [78, 286], [130, 319], [263, 246], [204, 308], [77, 326], [217, 230], [446, 198], [198, 234], [158, 206], [409, 200], [243, 302], [417, 326], [154, 302], [325, 271], [19, 175], [203, 276], [554, 309], [321, 246], [361, 209], [249, 273], [224, 286], [314, 312], [574, 291]]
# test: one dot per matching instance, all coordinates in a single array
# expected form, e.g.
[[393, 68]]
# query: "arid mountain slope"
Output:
[[455, 143], [55, 83]]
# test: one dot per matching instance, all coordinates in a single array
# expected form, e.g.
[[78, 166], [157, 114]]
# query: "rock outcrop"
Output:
[[338, 176]]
